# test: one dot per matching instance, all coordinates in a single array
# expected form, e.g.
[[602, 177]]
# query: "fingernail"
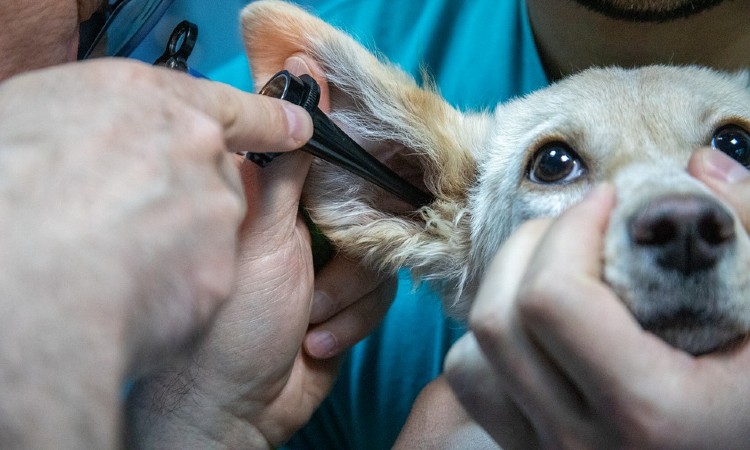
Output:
[[301, 131], [299, 122], [321, 344], [322, 307], [723, 168]]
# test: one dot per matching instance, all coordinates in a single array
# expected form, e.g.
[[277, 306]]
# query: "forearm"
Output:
[[438, 421]]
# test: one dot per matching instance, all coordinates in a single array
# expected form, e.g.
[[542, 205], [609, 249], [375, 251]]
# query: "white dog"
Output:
[[674, 252]]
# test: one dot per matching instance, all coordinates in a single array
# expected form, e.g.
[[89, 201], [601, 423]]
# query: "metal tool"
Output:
[[179, 48], [331, 144]]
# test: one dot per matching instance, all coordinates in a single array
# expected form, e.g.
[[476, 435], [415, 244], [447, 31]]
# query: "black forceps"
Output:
[[179, 48], [331, 144], [328, 142]]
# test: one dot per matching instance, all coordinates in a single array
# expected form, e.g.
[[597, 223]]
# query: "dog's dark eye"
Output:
[[555, 162], [734, 141]]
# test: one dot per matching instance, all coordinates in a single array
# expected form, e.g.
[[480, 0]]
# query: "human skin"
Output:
[[535, 372], [496, 391], [40, 33], [119, 232], [571, 38], [236, 392], [122, 201], [596, 380]]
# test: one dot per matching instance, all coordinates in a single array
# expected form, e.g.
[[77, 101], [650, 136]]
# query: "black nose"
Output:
[[687, 233]]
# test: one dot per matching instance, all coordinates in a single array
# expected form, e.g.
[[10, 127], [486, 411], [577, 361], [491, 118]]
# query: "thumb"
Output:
[[273, 193], [726, 177]]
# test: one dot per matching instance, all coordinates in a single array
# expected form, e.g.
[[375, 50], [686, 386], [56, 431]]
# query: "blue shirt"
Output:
[[479, 52]]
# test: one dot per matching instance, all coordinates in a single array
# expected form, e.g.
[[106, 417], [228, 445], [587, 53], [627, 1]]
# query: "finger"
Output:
[[273, 193], [503, 277], [250, 122], [481, 392], [279, 185], [530, 379], [573, 316], [351, 324], [535, 382], [340, 283], [725, 176]]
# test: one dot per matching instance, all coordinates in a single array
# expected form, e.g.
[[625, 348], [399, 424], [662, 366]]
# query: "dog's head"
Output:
[[674, 252]]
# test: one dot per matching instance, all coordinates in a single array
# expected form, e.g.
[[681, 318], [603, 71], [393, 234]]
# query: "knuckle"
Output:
[[381, 299], [206, 134], [226, 201], [230, 205], [131, 73], [537, 293], [227, 107], [489, 326]]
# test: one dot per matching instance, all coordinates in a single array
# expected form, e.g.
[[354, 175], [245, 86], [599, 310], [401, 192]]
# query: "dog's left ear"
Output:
[[411, 129]]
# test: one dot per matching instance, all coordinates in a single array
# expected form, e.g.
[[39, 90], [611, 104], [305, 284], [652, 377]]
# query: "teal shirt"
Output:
[[479, 52]]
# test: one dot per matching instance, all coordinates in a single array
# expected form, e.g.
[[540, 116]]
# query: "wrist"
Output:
[[164, 411]]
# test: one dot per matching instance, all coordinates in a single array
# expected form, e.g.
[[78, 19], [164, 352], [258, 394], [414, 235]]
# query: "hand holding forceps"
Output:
[[329, 142]]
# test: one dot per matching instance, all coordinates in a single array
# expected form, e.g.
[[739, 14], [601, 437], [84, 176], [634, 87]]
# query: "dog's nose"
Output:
[[688, 233]]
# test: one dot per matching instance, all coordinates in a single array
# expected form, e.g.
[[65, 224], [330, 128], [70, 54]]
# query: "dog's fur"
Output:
[[636, 128]]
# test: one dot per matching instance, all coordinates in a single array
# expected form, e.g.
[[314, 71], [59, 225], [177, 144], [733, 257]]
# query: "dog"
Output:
[[674, 252]]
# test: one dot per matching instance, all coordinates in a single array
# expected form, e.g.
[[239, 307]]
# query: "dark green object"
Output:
[[322, 249]]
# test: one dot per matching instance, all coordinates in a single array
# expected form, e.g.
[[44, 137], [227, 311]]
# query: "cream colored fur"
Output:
[[636, 128]]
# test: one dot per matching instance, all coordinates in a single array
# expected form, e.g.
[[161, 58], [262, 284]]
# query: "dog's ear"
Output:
[[410, 128]]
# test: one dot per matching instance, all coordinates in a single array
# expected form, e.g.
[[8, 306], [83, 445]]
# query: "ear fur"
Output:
[[392, 117]]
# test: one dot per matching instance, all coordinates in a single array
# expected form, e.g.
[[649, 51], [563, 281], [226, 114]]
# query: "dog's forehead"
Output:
[[657, 89], [657, 105]]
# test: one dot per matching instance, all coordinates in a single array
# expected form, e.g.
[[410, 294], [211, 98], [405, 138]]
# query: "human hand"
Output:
[[349, 302], [249, 383], [727, 178], [556, 360], [121, 205]]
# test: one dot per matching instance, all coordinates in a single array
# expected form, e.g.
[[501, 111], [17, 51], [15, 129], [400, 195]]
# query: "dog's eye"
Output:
[[555, 162], [734, 141]]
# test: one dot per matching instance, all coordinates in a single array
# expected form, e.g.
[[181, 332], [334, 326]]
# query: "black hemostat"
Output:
[[331, 144]]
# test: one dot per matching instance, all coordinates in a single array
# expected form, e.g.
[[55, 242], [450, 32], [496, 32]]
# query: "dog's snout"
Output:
[[687, 233]]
